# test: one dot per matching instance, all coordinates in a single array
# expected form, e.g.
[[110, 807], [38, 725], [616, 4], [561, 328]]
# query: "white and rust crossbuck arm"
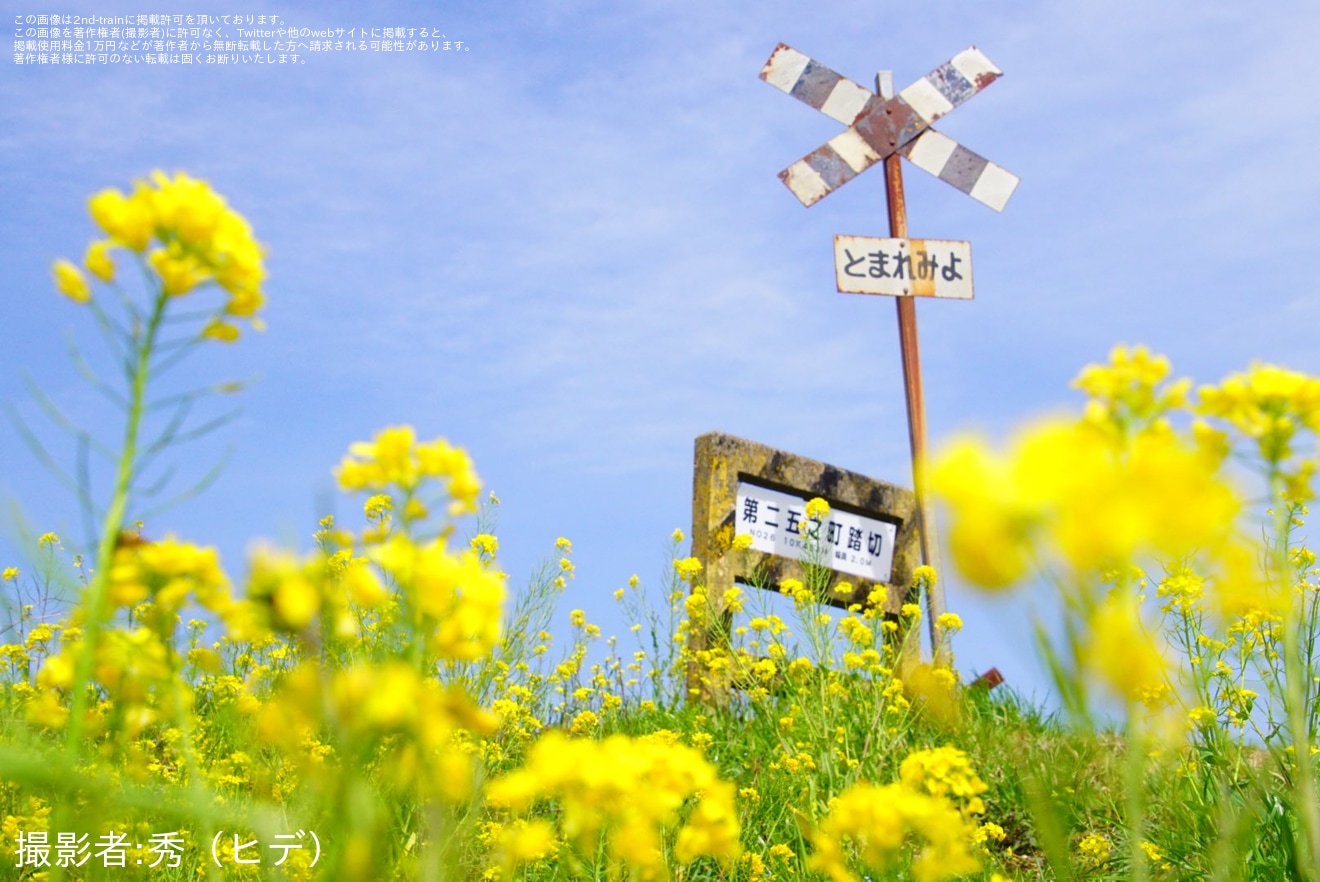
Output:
[[878, 127]]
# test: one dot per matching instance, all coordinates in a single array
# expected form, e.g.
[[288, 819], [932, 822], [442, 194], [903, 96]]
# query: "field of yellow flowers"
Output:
[[387, 707]]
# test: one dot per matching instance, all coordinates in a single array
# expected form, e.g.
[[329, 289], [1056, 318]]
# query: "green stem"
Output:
[[114, 521], [1136, 808], [183, 715], [1304, 791]]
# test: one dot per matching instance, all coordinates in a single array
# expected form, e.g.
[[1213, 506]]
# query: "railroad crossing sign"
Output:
[[879, 127]]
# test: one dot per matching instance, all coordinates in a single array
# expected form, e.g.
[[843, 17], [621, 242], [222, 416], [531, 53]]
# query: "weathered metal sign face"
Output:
[[843, 540], [741, 487], [903, 267], [879, 127]]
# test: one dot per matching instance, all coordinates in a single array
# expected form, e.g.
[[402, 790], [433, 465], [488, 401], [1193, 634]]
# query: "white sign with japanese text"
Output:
[[847, 542], [903, 267]]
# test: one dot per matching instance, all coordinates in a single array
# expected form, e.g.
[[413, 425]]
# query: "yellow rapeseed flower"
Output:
[[168, 572], [1062, 493], [396, 459], [1267, 403], [627, 791], [1241, 589], [179, 272], [128, 222], [990, 529], [1094, 849], [949, 622], [1183, 587], [877, 820], [364, 586], [199, 238], [291, 587], [460, 599], [1123, 653], [378, 506], [1130, 391], [688, 568], [945, 772], [524, 842]]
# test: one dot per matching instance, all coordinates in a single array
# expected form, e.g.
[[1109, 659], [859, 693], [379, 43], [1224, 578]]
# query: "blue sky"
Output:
[[567, 249]]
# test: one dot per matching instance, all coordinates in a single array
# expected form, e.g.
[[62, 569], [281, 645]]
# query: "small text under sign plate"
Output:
[[903, 267]]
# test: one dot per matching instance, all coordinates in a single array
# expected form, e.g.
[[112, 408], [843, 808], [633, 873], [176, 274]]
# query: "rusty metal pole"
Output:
[[916, 407]]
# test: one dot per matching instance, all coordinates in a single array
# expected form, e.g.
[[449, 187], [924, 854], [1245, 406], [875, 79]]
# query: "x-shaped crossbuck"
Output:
[[879, 127]]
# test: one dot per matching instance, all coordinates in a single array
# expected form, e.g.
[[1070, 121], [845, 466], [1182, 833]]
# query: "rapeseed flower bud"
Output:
[[220, 330], [98, 262], [70, 281]]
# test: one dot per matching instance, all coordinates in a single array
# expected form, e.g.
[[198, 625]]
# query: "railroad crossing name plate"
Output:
[[844, 541]]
